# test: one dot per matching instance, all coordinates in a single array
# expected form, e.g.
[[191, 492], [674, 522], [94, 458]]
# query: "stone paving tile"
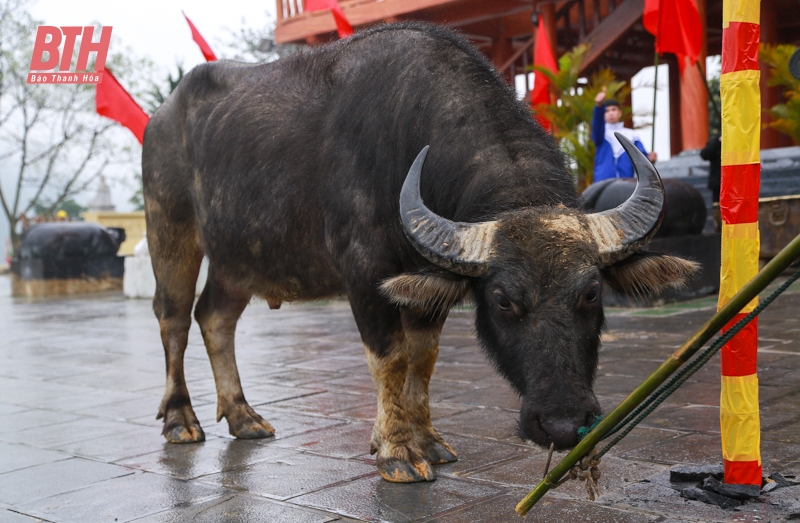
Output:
[[484, 423], [239, 508], [15, 457], [6, 409], [292, 475], [373, 499], [8, 516], [145, 405], [53, 478], [701, 418], [789, 433], [357, 382], [192, 460], [28, 418], [55, 396], [299, 378], [121, 499], [134, 441], [327, 403], [285, 423], [122, 379], [333, 364], [501, 509], [705, 448], [266, 393], [57, 436], [526, 473], [30, 370], [642, 437], [340, 441], [478, 454], [501, 396]]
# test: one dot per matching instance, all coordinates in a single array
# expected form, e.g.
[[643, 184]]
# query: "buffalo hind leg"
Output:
[[176, 263], [422, 343], [217, 312]]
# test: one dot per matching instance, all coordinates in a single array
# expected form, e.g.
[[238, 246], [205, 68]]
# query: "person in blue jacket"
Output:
[[610, 159]]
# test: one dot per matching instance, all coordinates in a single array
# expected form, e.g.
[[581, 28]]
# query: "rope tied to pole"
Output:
[[586, 470]]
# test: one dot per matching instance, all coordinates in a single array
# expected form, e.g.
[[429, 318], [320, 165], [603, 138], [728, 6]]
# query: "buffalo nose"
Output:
[[562, 432]]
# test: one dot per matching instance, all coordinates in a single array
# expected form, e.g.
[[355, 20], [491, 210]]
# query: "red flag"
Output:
[[200, 41], [343, 27], [677, 27], [114, 102], [543, 56]]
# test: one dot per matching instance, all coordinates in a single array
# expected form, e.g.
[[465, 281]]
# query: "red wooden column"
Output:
[[694, 97], [741, 172]]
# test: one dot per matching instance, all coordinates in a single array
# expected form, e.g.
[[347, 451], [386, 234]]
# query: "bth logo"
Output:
[[41, 69]]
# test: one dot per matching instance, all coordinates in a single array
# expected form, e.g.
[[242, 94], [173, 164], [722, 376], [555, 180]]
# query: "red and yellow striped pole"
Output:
[[741, 175]]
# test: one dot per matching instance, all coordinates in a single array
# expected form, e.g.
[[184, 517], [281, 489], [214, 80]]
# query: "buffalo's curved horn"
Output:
[[463, 248], [621, 231]]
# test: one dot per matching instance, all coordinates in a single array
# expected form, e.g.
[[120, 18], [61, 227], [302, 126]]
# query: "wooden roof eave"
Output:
[[298, 28]]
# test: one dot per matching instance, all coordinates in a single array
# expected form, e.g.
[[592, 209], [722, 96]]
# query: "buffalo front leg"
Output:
[[217, 312], [422, 343], [398, 457]]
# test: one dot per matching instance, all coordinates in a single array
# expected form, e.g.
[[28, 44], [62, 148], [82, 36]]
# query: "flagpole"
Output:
[[655, 90]]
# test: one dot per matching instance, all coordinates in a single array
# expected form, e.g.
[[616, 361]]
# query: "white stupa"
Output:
[[102, 199]]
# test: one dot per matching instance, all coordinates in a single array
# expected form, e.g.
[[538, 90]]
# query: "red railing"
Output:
[[292, 9]]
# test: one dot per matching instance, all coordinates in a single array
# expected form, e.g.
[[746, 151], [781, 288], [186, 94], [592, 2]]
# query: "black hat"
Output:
[[611, 102]]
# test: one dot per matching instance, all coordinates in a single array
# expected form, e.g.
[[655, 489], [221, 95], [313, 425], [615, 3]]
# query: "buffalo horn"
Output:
[[621, 231], [463, 248]]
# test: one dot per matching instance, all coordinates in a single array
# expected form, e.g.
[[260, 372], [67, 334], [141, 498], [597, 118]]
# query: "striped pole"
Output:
[[741, 174]]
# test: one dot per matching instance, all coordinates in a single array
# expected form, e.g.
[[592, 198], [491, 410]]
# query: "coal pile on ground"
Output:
[[703, 483]]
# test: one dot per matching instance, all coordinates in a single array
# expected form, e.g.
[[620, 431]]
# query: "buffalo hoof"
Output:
[[181, 426], [245, 423], [401, 471], [440, 452]]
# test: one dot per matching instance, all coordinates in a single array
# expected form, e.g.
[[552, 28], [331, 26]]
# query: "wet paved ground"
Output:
[[81, 379]]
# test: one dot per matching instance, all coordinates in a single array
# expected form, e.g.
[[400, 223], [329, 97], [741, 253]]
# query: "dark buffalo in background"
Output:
[[61, 250], [293, 179], [684, 211], [680, 234]]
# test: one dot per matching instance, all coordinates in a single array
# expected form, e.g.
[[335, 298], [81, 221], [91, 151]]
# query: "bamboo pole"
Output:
[[770, 271]]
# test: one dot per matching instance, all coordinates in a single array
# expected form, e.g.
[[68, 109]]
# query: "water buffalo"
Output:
[[295, 179]]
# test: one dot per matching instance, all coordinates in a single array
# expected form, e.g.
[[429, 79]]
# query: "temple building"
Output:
[[505, 31]]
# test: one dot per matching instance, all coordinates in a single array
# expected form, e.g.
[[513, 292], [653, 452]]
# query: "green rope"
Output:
[[583, 431], [663, 392]]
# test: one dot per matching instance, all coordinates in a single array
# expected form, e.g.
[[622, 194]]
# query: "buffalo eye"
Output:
[[501, 301], [592, 294]]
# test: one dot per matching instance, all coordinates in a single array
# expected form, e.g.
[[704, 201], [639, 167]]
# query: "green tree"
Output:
[[70, 206], [158, 94], [571, 115], [785, 116]]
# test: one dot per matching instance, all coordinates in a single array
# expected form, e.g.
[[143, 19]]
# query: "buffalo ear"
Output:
[[428, 291], [649, 273]]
